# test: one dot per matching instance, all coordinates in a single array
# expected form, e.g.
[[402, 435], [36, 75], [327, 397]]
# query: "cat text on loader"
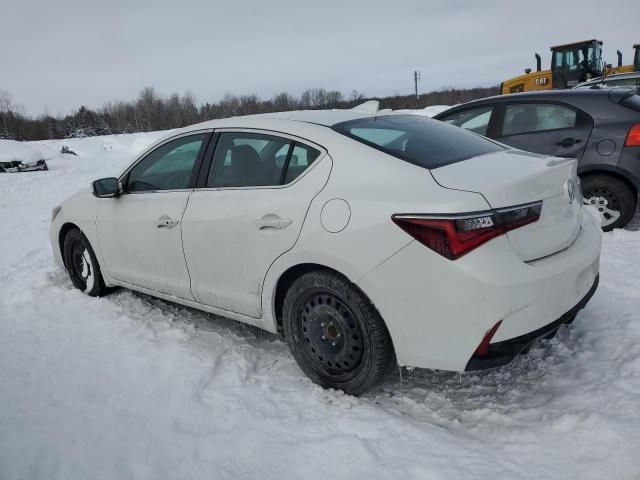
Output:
[[571, 64]]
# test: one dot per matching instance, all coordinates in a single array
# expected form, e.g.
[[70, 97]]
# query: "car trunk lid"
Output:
[[513, 177]]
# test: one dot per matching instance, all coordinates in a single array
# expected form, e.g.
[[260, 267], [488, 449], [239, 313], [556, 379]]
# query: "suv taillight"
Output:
[[452, 236], [633, 137]]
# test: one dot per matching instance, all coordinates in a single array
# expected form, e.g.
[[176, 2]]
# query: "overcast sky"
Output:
[[59, 55]]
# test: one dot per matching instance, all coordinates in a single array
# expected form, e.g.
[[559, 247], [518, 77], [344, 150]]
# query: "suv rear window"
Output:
[[422, 141]]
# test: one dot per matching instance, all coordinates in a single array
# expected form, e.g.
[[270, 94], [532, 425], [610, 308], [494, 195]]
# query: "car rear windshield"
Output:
[[422, 141]]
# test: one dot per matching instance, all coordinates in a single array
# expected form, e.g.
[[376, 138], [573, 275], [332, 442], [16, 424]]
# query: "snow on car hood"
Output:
[[11, 151]]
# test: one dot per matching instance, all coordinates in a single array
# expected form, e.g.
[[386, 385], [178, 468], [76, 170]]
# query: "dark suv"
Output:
[[601, 128]]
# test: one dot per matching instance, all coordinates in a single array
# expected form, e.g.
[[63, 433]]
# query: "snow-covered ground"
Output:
[[11, 151], [127, 386]]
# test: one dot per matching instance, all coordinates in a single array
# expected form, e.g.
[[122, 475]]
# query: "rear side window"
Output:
[[476, 119], [301, 157], [422, 141], [243, 159], [531, 117]]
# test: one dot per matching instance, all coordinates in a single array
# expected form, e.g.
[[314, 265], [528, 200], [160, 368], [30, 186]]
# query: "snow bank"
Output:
[[128, 386], [127, 144], [11, 151]]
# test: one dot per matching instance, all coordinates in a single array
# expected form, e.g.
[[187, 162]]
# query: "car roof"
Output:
[[614, 76], [319, 117], [313, 125], [575, 94]]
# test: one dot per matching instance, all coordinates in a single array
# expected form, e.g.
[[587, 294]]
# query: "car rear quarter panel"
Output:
[[375, 186]]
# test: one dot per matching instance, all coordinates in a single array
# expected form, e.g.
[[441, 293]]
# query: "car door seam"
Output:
[[184, 256], [304, 219]]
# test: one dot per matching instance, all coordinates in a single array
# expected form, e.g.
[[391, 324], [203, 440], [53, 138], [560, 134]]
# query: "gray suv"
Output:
[[599, 127]]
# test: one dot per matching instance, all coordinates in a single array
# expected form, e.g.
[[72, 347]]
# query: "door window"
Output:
[[168, 167], [301, 157], [527, 118], [476, 120], [254, 159]]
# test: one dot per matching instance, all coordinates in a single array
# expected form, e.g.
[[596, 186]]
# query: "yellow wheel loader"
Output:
[[635, 67], [571, 64]]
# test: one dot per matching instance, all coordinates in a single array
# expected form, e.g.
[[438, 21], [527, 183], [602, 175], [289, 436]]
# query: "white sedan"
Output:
[[368, 241]]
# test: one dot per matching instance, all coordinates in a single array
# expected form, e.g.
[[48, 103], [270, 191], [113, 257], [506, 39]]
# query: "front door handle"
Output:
[[166, 221], [568, 142], [272, 221]]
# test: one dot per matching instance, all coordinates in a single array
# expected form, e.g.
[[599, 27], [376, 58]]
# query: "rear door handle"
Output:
[[568, 142], [272, 221], [166, 221]]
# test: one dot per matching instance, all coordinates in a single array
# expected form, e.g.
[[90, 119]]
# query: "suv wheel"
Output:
[[613, 198]]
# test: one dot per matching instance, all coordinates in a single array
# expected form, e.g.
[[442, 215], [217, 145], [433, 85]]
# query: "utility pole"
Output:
[[416, 77]]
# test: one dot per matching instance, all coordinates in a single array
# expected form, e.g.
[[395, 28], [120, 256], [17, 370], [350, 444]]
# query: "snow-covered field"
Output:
[[127, 386]]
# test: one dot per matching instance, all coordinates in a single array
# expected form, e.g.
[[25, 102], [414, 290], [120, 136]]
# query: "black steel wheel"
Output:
[[613, 198], [82, 265], [335, 334]]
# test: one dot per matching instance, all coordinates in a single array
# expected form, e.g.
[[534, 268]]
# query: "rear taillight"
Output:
[[455, 235], [633, 137]]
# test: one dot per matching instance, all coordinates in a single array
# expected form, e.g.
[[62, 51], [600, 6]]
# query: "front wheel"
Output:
[[613, 198], [335, 333], [82, 265]]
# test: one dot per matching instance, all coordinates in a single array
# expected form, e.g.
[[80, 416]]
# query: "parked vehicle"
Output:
[[18, 157], [626, 80], [599, 127], [366, 240], [571, 64]]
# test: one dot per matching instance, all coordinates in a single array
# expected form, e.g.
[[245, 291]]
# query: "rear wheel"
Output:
[[335, 334], [613, 198], [82, 265]]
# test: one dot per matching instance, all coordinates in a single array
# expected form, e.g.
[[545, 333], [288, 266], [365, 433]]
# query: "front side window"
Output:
[[168, 167], [255, 159], [476, 120], [422, 141], [530, 117]]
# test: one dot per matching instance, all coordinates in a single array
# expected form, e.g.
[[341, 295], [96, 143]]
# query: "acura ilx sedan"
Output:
[[368, 241]]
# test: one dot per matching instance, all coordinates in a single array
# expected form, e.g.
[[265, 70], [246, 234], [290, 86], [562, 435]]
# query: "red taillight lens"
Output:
[[454, 235], [483, 348], [633, 137]]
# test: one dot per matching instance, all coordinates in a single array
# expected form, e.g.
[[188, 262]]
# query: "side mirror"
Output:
[[106, 187]]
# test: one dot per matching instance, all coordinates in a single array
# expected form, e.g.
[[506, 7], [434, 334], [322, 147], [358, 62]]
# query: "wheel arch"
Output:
[[62, 233], [284, 282], [613, 172]]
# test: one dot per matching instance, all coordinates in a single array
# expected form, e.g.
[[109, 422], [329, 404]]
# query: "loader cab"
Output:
[[575, 63]]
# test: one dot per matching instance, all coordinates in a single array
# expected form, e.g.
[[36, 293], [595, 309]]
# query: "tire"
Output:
[[82, 265], [336, 335], [610, 194]]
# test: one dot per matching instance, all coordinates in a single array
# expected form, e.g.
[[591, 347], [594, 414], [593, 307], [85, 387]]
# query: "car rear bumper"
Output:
[[501, 353], [438, 311]]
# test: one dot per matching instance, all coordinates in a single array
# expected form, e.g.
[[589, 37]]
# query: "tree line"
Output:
[[153, 111]]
